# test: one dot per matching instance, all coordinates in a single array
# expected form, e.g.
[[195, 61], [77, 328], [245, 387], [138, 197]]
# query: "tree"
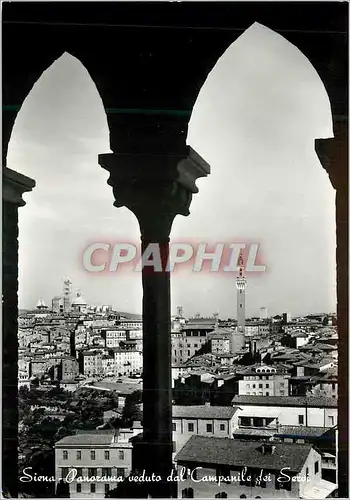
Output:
[[131, 410]]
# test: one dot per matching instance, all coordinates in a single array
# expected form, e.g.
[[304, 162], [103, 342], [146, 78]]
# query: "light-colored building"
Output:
[[257, 328], [255, 470], [91, 362], [310, 411], [127, 361], [203, 420], [114, 336], [79, 304], [23, 370], [220, 341], [189, 340], [263, 380], [92, 454], [131, 324]]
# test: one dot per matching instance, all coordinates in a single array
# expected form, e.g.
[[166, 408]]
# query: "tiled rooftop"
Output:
[[310, 401], [234, 452], [204, 411]]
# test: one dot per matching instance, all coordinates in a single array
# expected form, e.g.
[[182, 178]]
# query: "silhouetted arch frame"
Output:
[[28, 55]]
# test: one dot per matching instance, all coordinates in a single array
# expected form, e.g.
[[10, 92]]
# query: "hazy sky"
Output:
[[255, 122]]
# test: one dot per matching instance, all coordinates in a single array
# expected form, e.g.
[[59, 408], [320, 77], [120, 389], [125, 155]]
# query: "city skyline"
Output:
[[265, 172]]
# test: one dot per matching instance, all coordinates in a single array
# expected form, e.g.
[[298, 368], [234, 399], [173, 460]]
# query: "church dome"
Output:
[[41, 304], [79, 300]]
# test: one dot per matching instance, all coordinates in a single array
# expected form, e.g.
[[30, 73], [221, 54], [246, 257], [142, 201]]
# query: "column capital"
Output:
[[14, 185], [155, 187], [333, 154]]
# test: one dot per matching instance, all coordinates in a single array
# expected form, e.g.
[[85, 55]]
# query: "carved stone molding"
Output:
[[155, 187], [14, 185]]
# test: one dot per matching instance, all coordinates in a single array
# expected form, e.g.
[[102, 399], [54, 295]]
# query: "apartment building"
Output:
[[204, 420], [93, 454], [127, 361], [189, 341], [263, 380], [91, 362], [310, 411], [114, 336]]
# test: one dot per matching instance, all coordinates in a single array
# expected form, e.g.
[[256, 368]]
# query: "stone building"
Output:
[[255, 470], [92, 454]]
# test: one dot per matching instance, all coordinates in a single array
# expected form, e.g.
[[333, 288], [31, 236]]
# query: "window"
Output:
[[190, 427], [78, 455], [106, 455], [317, 467], [64, 472], [78, 488], [282, 486], [174, 446], [333, 387], [307, 472], [65, 455], [331, 420], [106, 488], [79, 471], [187, 493], [301, 419], [188, 353], [260, 386], [253, 386], [120, 472], [92, 472], [92, 488], [267, 394], [93, 455], [107, 471], [222, 427], [174, 427], [267, 386], [248, 386], [209, 428], [222, 494]]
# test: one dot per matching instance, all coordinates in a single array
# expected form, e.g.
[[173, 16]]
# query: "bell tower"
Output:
[[241, 283]]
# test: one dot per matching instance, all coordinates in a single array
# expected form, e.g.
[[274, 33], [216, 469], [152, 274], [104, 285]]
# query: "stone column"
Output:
[[333, 154], [14, 185], [156, 188]]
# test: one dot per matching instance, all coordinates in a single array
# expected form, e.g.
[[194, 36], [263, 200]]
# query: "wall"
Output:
[[100, 462], [288, 415], [182, 435]]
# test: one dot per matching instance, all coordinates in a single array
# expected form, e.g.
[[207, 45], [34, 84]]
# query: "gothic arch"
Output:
[[257, 52], [16, 92]]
